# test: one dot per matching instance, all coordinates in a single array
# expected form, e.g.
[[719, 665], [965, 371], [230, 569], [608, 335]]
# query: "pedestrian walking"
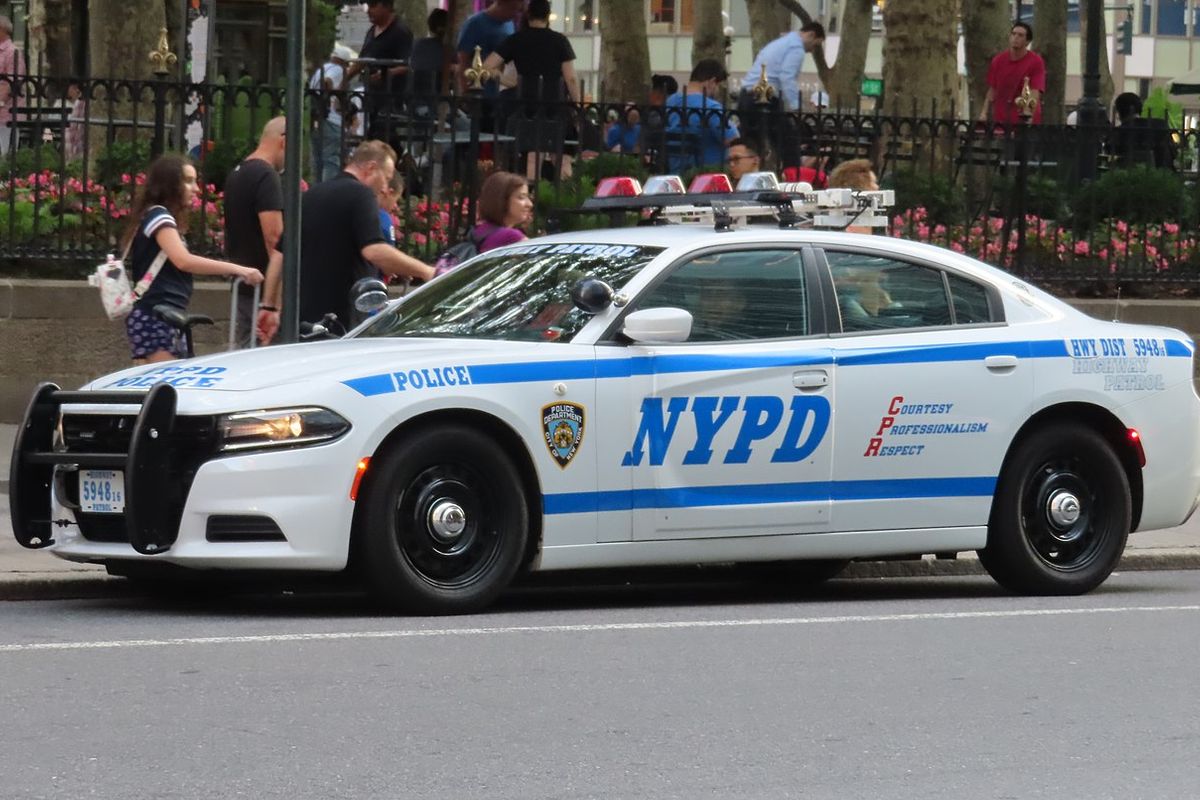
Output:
[[697, 121], [783, 59], [341, 240], [545, 64], [505, 207], [254, 224], [486, 30], [328, 101], [160, 216], [1007, 75], [389, 40], [12, 68]]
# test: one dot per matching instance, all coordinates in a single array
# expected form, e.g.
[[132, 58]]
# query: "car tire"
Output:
[[1061, 513], [446, 522]]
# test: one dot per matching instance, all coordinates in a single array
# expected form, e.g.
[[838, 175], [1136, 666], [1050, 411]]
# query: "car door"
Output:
[[929, 379], [728, 432]]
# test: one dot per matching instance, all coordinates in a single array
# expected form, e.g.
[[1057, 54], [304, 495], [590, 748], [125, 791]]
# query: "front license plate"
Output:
[[102, 491]]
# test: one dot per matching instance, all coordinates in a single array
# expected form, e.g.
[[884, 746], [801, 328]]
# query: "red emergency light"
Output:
[[619, 187], [710, 183]]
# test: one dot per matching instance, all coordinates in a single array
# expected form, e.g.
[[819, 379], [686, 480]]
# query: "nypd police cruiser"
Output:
[[651, 395]]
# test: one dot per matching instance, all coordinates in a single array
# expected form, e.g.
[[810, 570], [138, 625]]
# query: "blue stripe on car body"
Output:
[[766, 494], [530, 371]]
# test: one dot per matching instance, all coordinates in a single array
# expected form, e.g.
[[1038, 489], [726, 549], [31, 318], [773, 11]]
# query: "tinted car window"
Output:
[[748, 294], [970, 301], [877, 293]]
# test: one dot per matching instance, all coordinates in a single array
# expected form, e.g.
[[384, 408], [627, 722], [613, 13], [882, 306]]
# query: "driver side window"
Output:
[[738, 296]]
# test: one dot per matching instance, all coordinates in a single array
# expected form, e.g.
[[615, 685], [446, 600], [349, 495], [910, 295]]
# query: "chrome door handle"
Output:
[[810, 379], [1000, 363]]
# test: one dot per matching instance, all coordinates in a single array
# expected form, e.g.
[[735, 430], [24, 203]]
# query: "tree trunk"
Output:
[[768, 20], [1106, 81], [121, 34], [986, 25], [413, 14], [1050, 27], [50, 38], [624, 51], [708, 36], [843, 79], [173, 16], [920, 55]]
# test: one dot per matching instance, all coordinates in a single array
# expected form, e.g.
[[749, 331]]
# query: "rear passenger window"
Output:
[[970, 301], [877, 293]]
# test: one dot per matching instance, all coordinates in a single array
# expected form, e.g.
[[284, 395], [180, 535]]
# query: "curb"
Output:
[[92, 585]]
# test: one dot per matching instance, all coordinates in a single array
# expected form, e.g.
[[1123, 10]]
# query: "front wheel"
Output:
[[446, 522], [1061, 514]]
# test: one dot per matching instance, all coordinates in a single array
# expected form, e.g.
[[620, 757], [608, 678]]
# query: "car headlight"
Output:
[[281, 427]]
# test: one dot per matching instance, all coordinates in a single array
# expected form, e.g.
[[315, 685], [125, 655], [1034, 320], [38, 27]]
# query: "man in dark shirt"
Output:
[[1138, 139], [387, 38], [341, 241], [254, 220]]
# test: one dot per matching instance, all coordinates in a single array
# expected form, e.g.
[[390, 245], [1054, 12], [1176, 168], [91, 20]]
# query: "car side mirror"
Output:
[[591, 295], [370, 295], [658, 325]]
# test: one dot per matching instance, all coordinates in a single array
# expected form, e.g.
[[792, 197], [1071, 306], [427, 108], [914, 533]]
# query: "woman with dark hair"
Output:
[[504, 206], [159, 216]]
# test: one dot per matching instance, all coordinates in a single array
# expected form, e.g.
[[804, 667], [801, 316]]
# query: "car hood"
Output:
[[360, 363]]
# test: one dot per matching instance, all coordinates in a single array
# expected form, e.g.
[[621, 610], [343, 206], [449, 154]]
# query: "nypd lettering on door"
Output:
[[804, 421]]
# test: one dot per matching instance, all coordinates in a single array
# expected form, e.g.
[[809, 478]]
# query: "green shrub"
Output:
[[1135, 195], [942, 199], [120, 159], [1043, 196], [222, 158]]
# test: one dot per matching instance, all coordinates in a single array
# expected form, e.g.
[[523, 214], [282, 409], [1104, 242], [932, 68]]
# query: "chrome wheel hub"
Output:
[[1063, 509], [447, 520]]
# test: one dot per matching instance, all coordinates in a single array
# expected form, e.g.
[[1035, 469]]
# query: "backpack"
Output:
[[465, 250]]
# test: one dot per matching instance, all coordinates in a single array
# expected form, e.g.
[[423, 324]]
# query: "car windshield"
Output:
[[519, 294]]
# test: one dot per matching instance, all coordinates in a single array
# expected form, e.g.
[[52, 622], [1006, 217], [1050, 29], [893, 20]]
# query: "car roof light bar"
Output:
[[827, 208]]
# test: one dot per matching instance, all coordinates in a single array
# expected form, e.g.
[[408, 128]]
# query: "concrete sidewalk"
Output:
[[36, 575]]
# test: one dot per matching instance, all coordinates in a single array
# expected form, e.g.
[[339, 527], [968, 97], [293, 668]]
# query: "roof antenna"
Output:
[[1117, 309]]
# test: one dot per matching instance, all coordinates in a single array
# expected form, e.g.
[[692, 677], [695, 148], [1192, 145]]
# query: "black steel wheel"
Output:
[[446, 522], [1061, 514]]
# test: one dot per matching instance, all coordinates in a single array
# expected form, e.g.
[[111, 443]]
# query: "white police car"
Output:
[[750, 395]]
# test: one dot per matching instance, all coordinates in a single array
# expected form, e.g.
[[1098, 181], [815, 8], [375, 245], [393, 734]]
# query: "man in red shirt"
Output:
[[1006, 78]]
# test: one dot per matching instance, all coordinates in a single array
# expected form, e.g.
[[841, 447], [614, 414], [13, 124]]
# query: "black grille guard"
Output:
[[147, 474]]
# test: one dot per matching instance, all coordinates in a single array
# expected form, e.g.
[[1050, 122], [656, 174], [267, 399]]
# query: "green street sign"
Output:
[[871, 87]]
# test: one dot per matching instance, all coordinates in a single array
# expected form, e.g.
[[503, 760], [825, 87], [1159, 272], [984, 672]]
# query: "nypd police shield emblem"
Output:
[[562, 424]]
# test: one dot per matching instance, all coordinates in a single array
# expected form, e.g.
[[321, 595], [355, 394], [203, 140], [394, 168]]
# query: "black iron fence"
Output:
[[1051, 203]]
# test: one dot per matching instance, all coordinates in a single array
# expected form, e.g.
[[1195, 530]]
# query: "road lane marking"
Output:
[[592, 628]]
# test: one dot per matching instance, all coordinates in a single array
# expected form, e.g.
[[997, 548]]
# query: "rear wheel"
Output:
[[445, 522], [1061, 514]]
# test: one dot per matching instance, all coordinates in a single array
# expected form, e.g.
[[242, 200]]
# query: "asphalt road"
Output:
[[922, 688]]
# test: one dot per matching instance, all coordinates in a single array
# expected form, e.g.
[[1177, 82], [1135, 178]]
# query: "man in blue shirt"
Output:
[[783, 59], [486, 30], [697, 127]]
